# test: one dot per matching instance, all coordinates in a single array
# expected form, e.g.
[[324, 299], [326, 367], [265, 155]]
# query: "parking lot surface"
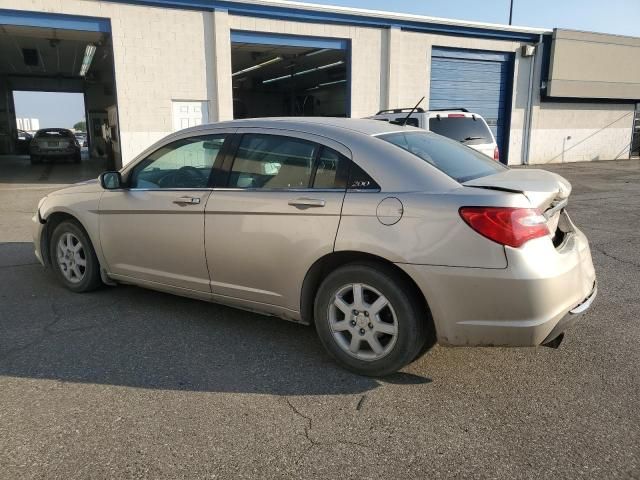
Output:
[[131, 383]]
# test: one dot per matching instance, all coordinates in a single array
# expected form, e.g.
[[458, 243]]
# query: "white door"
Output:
[[189, 114]]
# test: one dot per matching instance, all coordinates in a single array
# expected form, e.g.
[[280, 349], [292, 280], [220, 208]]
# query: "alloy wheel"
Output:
[[72, 258], [363, 322]]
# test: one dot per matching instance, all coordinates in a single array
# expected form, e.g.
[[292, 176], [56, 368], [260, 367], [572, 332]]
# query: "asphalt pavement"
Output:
[[131, 383]]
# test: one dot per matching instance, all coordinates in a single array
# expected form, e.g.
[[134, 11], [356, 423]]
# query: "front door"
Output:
[[278, 214], [153, 230]]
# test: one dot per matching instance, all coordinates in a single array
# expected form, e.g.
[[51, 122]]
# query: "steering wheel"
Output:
[[184, 177]]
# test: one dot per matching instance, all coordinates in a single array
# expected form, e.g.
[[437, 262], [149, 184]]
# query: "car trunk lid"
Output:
[[547, 191]]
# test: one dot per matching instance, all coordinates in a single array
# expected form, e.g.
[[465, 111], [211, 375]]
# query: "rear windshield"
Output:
[[412, 122], [467, 130], [54, 134], [459, 162]]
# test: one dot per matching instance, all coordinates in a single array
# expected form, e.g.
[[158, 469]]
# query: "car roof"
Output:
[[358, 136], [320, 125], [429, 113]]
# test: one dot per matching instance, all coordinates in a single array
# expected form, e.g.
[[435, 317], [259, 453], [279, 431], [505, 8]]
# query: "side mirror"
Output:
[[111, 180]]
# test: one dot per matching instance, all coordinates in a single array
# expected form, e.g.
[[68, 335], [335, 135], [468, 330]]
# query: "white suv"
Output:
[[458, 124]]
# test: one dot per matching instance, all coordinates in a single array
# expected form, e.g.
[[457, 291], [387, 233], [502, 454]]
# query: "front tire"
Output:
[[369, 320], [73, 258]]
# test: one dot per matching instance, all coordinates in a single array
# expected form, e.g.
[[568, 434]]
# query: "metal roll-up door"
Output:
[[478, 80]]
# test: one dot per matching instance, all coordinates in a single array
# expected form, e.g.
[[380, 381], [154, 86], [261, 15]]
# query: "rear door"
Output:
[[277, 215]]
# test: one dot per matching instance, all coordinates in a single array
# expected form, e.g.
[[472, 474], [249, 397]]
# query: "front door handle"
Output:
[[307, 202], [187, 201]]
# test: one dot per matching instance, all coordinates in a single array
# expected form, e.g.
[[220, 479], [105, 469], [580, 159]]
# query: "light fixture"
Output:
[[316, 52], [277, 78], [331, 83], [255, 67], [89, 52], [319, 68], [303, 72], [325, 84]]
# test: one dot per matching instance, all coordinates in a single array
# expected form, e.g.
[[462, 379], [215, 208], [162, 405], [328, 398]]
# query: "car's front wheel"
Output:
[[73, 258], [369, 319]]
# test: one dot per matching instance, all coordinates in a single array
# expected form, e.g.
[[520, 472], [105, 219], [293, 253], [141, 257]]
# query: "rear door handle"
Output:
[[187, 201], [307, 202]]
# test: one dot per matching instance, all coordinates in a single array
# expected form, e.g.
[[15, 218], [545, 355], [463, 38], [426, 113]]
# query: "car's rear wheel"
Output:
[[369, 320], [35, 159], [73, 258], [77, 157]]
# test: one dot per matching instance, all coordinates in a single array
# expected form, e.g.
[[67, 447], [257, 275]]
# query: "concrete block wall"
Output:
[[577, 132], [159, 56]]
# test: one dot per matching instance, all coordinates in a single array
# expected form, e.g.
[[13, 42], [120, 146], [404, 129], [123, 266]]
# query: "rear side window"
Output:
[[460, 163], [332, 170], [273, 162], [467, 130]]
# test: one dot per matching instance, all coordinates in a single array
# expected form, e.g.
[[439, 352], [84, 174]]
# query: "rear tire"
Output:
[[369, 320], [77, 158], [35, 160], [73, 258]]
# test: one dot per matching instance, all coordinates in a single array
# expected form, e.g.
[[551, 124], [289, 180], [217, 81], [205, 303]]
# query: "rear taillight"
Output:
[[456, 115], [505, 225], [496, 154]]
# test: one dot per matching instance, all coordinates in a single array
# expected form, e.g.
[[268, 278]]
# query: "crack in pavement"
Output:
[[361, 402], [621, 260], [19, 265], [307, 434], [49, 332], [633, 235]]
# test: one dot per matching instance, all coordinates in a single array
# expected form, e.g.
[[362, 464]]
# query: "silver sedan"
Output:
[[386, 238]]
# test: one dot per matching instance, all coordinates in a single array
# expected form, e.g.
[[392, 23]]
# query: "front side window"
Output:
[[450, 157], [186, 163], [273, 162]]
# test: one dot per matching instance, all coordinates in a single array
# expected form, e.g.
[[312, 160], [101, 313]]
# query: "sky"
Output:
[[621, 17], [53, 109]]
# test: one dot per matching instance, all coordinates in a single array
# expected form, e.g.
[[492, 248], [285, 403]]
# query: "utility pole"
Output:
[[511, 12]]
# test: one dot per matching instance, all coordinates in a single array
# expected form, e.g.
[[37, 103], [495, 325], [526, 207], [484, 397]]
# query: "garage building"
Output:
[[156, 66]]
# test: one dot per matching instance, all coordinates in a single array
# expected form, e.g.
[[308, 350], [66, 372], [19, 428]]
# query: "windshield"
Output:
[[459, 162], [468, 130]]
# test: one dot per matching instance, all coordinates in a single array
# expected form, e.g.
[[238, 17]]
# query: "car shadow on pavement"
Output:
[[129, 336]]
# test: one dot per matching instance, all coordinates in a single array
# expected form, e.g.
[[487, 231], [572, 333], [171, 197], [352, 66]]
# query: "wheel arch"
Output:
[[52, 220], [328, 263]]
